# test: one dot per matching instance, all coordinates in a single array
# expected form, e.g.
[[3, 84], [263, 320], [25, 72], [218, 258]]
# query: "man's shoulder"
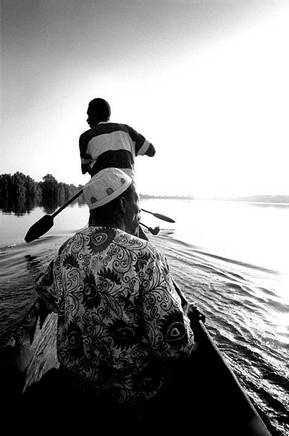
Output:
[[76, 237], [140, 246], [105, 128], [111, 127], [86, 135], [66, 244], [98, 239]]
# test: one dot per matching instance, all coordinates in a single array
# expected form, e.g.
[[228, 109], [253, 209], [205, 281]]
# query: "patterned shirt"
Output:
[[120, 319], [111, 145]]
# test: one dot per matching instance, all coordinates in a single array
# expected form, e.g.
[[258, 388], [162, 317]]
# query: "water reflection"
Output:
[[49, 205], [20, 206], [269, 205], [237, 230], [34, 266]]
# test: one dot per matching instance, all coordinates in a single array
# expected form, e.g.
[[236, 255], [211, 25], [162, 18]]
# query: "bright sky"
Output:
[[205, 81]]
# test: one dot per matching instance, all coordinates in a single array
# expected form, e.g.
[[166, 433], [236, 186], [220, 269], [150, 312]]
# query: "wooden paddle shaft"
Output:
[[157, 215], [67, 203], [160, 216]]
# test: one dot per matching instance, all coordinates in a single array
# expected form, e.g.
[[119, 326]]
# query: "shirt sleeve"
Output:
[[47, 289], [166, 324], [142, 146], [85, 159]]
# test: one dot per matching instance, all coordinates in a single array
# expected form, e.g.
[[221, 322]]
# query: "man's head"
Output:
[[98, 110], [112, 200]]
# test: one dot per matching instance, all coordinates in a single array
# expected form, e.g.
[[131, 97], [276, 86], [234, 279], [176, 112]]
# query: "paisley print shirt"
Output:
[[120, 319]]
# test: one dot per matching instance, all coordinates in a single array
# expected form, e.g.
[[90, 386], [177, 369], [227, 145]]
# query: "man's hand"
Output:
[[195, 315]]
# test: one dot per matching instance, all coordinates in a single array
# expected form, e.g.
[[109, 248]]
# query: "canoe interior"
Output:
[[202, 398]]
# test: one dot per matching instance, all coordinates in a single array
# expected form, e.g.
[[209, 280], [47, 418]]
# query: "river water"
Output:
[[229, 258]]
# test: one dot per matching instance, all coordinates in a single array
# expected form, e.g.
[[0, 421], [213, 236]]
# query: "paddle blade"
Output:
[[39, 228], [164, 218]]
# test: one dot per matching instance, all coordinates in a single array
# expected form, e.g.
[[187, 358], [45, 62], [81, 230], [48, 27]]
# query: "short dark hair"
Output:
[[99, 108], [109, 212]]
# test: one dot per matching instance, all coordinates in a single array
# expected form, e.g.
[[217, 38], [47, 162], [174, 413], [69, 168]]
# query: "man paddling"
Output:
[[108, 144], [121, 322]]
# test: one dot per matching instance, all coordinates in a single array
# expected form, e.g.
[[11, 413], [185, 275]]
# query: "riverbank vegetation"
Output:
[[19, 193]]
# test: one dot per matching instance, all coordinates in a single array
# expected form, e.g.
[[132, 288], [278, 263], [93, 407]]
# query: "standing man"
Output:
[[108, 144]]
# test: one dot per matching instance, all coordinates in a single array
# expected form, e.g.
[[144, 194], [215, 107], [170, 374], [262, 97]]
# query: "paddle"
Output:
[[159, 216], [46, 222]]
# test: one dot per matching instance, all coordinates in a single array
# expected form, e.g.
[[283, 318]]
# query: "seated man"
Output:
[[121, 321]]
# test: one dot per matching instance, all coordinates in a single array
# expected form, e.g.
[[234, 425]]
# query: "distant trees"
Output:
[[16, 186], [49, 189], [22, 193]]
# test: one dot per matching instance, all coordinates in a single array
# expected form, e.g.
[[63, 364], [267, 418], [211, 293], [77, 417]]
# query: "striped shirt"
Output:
[[112, 145]]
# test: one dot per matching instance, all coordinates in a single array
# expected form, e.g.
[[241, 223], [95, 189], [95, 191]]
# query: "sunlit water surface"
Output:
[[229, 258]]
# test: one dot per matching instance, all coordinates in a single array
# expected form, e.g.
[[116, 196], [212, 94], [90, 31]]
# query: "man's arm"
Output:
[[85, 168], [142, 146], [151, 151], [45, 303], [84, 157], [167, 325], [46, 289]]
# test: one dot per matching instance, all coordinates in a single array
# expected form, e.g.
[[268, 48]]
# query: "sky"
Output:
[[205, 81]]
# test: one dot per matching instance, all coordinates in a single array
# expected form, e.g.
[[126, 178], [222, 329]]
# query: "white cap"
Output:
[[105, 186]]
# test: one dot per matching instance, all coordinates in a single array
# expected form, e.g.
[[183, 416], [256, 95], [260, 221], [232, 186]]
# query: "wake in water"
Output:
[[243, 315], [240, 302]]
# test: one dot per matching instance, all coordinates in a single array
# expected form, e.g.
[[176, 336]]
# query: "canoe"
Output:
[[203, 397], [223, 406]]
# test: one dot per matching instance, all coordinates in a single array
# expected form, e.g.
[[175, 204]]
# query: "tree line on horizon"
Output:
[[19, 193]]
